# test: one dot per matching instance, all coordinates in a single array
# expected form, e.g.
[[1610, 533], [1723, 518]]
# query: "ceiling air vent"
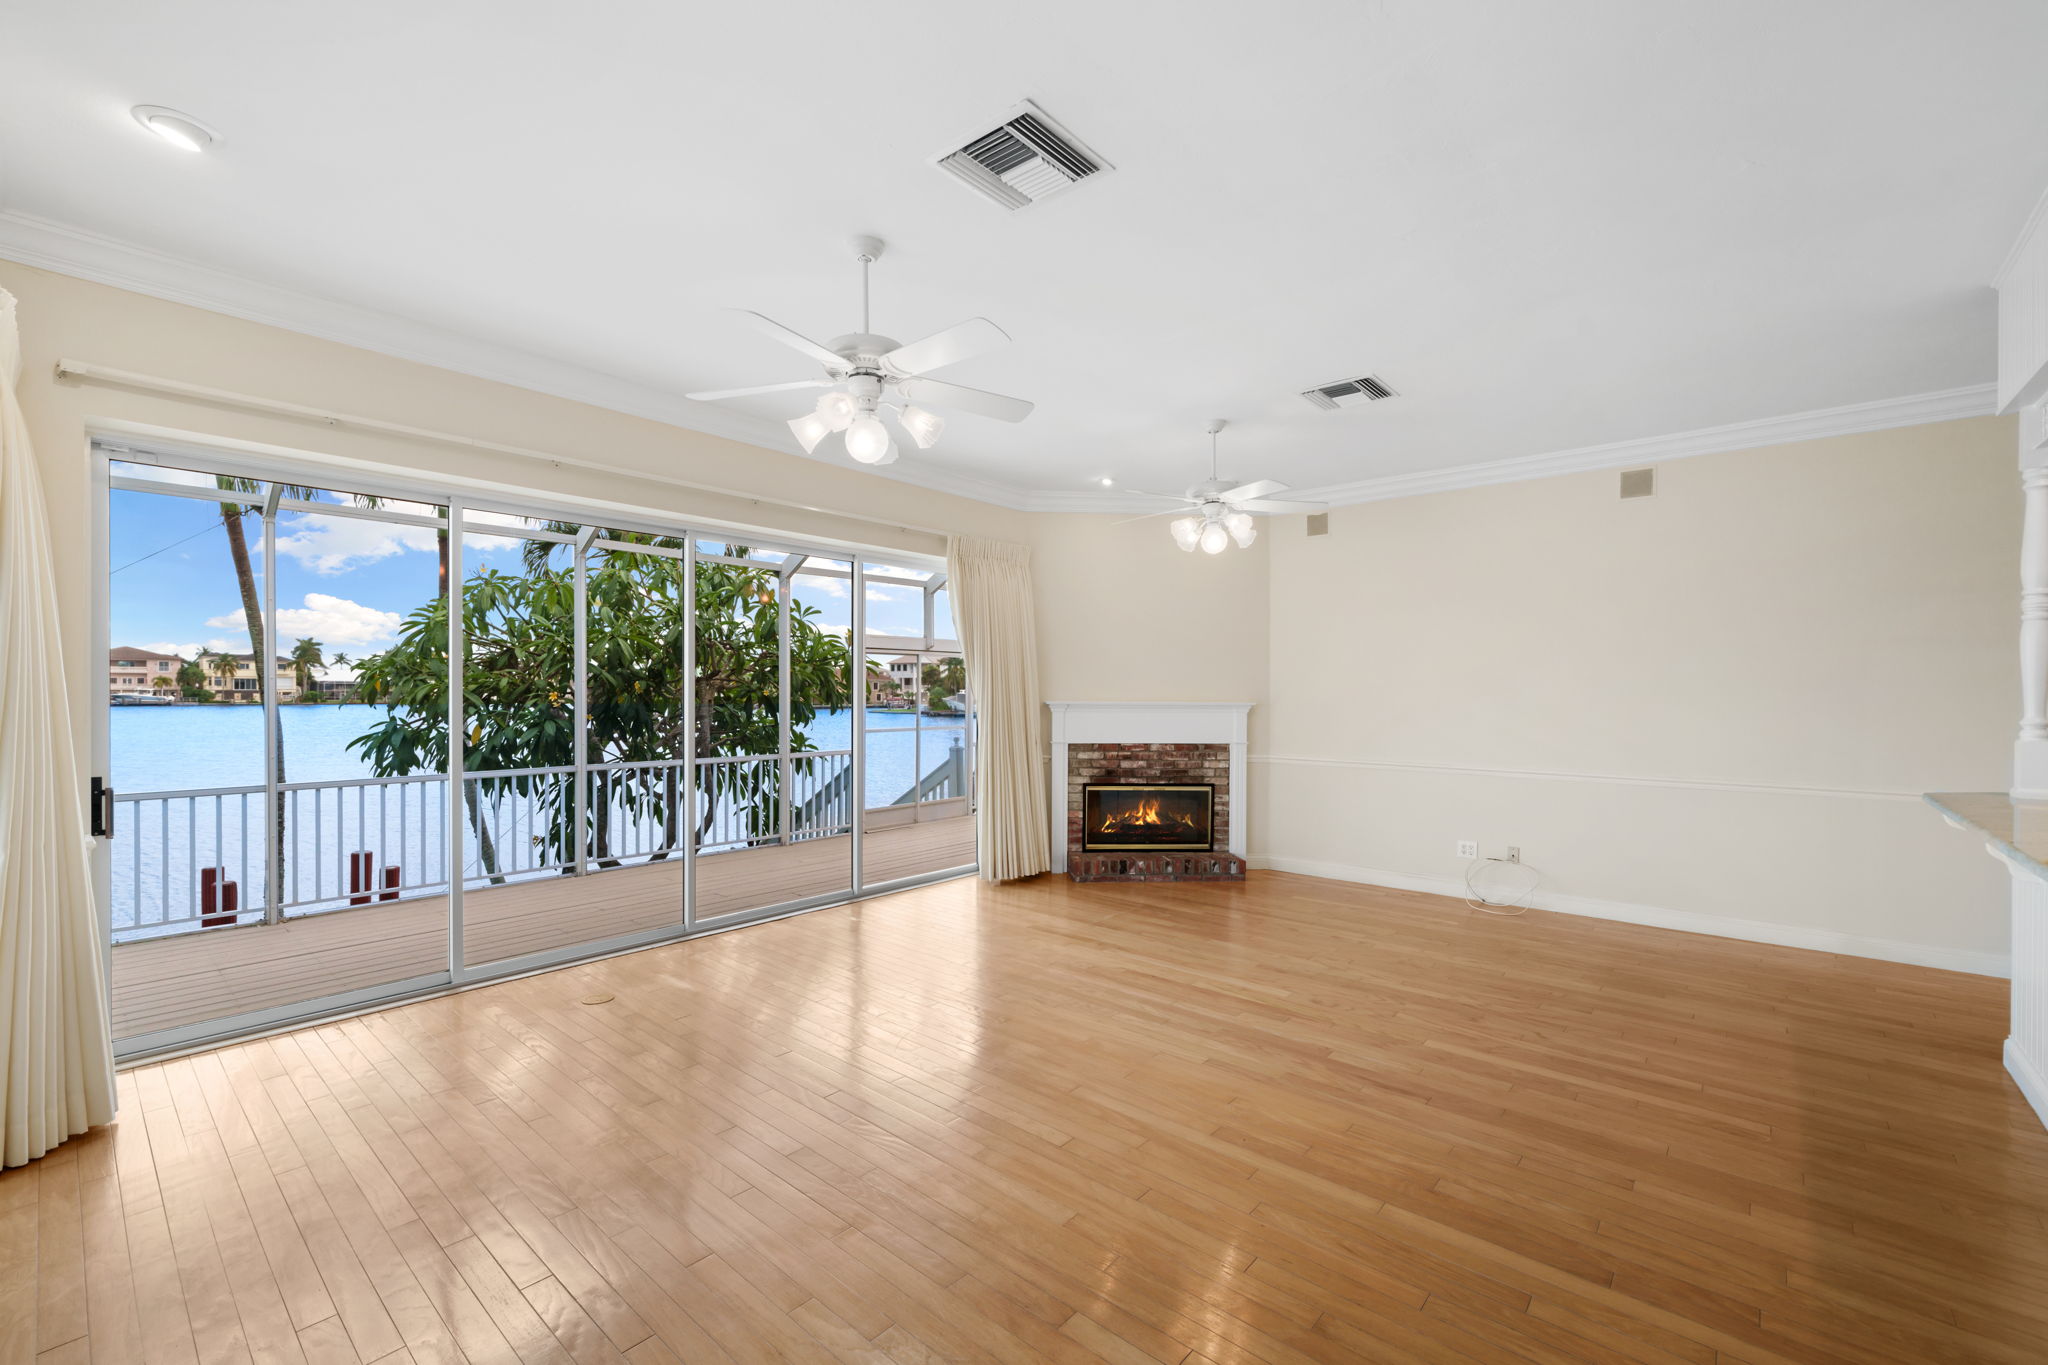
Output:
[[1024, 159], [1349, 393]]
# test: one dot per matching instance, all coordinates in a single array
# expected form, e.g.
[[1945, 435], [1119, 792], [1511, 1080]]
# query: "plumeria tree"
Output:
[[519, 690]]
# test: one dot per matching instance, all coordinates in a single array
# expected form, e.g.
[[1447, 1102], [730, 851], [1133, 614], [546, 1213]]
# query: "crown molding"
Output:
[[2035, 218], [1108, 501], [1976, 400], [69, 250]]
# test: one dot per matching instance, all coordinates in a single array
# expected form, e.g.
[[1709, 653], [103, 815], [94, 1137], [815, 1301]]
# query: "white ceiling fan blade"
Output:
[[941, 394], [1253, 490], [1163, 512], [796, 341], [1282, 508], [956, 343], [714, 395], [1182, 498]]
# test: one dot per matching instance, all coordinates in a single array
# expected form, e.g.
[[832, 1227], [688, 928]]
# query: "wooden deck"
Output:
[[171, 982], [1282, 1122]]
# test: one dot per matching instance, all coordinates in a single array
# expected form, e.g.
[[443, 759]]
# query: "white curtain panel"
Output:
[[54, 1042], [994, 611]]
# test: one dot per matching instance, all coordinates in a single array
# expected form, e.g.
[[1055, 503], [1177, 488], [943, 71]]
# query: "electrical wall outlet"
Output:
[[1514, 853], [1468, 848]]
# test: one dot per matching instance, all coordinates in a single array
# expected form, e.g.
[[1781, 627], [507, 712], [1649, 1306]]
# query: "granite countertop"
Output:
[[2018, 830]]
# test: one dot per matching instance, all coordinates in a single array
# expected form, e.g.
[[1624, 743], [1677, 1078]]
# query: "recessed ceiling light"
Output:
[[182, 131], [1109, 483]]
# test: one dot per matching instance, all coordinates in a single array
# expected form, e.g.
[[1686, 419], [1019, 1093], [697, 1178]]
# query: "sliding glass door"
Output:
[[918, 728], [773, 739], [364, 743], [255, 796]]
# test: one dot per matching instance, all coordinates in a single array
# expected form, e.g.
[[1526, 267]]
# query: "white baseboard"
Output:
[[2031, 1082], [1688, 921]]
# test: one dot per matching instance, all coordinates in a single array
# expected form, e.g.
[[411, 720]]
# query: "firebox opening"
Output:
[[1137, 816]]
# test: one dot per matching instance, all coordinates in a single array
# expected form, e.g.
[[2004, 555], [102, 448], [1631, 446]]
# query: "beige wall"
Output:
[[1719, 702], [1127, 615]]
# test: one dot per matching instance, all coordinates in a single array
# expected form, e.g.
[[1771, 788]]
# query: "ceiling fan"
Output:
[[867, 375], [1222, 511]]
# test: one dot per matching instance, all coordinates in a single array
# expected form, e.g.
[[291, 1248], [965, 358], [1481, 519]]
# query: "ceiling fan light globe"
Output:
[[1215, 540], [1187, 532], [867, 440], [809, 429], [837, 410], [924, 427], [1246, 536]]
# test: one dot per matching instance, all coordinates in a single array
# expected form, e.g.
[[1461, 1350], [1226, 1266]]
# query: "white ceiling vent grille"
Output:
[[1022, 160], [1349, 393]]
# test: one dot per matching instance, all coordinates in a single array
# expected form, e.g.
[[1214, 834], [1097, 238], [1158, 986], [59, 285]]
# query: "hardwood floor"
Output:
[[1287, 1121]]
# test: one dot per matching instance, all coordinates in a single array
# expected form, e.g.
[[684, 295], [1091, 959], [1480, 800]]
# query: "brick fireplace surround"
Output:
[[1145, 742]]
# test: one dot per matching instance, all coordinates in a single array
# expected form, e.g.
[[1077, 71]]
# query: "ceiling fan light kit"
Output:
[[1220, 511], [866, 375]]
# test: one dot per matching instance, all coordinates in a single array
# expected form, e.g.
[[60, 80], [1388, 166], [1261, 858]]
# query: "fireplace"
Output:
[[1148, 816]]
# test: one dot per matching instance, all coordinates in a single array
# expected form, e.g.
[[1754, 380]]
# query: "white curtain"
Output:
[[994, 613], [54, 1044]]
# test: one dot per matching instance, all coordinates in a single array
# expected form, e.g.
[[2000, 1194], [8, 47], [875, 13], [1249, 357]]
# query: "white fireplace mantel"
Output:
[[1147, 722]]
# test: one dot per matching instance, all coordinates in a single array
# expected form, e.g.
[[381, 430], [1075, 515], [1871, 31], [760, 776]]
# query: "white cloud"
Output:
[[887, 594], [489, 545], [334, 621], [331, 545], [167, 647]]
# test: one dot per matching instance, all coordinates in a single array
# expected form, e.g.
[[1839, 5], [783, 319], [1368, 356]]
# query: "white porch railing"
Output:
[[199, 857]]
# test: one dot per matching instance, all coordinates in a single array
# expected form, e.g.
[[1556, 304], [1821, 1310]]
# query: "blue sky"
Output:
[[345, 582]]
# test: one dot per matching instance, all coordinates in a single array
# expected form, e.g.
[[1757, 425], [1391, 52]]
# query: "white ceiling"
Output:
[[1549, 225]]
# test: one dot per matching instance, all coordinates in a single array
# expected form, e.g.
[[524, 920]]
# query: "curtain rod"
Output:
[[103, 374]]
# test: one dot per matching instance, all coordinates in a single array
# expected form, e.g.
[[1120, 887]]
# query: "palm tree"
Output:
[[305, 657], [221, 667], [943, 679], [162, 682], [231, 514]]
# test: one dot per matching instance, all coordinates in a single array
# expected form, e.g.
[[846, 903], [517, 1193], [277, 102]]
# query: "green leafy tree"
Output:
[[519, 698], [943, 679], [192, 680]]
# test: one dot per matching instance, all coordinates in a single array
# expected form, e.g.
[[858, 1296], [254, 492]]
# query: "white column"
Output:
[[2030, 752], [1056, 806]]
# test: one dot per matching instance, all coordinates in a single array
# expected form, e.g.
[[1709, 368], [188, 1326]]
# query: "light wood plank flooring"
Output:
[[167, 983], [1286, 1121]]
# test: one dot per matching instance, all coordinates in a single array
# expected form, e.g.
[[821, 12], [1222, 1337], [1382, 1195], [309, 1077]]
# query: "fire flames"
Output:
[[1145, 814]]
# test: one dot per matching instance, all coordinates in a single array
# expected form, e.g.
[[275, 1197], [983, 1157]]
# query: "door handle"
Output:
[[102, 809]]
